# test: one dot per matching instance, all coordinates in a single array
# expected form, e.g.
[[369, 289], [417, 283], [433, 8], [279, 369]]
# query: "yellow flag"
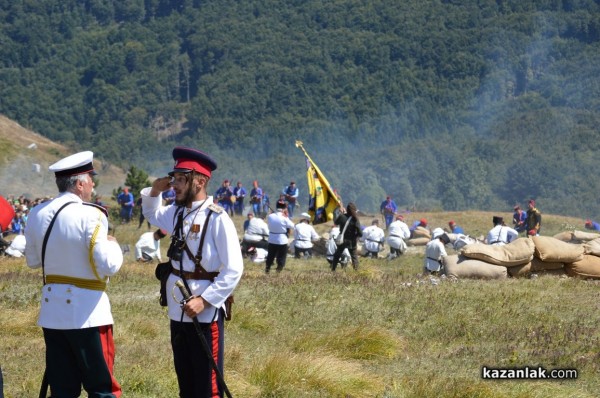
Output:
[[324, 201]]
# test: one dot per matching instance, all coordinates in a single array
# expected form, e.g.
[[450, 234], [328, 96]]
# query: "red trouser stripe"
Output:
[[214, 328], [108, 350]]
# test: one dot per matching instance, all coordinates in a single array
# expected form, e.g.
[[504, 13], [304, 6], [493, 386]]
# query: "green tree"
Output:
[[136, 180]]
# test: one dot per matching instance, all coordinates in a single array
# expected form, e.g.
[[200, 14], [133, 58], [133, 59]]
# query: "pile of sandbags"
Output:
[[481, 261], [524, 256], [550, 257], [519, 258], [576, 236], [420, 237], [582, 236], [581, 257], [588, 264]]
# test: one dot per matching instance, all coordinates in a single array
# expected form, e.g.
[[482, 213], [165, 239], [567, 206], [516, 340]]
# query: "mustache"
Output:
[[188, 197]]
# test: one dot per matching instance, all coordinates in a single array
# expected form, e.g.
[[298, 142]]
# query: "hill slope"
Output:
[[22, 150], [451, 105]]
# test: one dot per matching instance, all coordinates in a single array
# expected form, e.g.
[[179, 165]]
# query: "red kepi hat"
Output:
[[189, 159]]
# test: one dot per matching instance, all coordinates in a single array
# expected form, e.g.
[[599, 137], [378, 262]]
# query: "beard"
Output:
[[187, 197]]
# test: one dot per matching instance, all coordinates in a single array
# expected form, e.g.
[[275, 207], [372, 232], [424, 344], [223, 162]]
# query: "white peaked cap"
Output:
[[79, 163]]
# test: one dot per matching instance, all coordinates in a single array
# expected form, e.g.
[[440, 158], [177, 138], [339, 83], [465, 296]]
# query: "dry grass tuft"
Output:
[[303, 375], [363, 342]]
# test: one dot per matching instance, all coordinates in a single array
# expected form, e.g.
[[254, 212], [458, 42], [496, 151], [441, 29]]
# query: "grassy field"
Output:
[[384, 331]]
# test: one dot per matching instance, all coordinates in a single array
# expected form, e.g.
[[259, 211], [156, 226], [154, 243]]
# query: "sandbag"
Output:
[[465, 268], [417, 241], [421, 232], [519, 271], [517, 252], [539, 265], [582, 236], [524, 271], [549, 249], [592, 247], [565, 236], [587, 267]]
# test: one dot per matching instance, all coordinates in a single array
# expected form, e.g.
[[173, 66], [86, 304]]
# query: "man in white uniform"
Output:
[[17, 246], [500, 234], [256, 234], [68, 238], [304, 236], [205, 254], [148, 246], [279, 228], [435, 252], [398, 231], [373, 238]]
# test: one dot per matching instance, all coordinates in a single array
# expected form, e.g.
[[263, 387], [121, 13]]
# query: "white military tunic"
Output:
[[278, 228], [77, 248], [373, 238], [435, 251], [220, 253], [304, 236], [148, 245], [397, 232], [501, 235], [257, 230]]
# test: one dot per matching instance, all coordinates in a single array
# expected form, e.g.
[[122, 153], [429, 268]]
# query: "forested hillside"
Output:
[[449, 104]]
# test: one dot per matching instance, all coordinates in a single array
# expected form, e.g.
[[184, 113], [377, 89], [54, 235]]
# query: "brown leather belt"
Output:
[[197, 275]]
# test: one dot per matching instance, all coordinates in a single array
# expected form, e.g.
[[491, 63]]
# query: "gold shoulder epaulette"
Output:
[[216, 208], [102, 209]]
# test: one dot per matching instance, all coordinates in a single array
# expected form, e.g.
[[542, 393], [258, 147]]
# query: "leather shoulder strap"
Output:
[[198, 258], [199, 253]]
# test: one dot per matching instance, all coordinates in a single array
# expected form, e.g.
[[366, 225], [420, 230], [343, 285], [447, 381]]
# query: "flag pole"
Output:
[[299, 144]]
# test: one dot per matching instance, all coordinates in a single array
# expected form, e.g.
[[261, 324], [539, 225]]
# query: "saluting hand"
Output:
[[160, 185]]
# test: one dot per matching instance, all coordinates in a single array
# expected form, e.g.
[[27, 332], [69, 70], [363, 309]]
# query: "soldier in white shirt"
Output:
[[435, 252], [147, 247], [398, 231], [205, 255], [500, 234], [68, 238], [304, 236], [17, 246], [256, 235], [373, 238], [279, 227]]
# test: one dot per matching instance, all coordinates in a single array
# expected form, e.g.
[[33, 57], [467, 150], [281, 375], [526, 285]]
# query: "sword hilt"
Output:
[[184, 293]]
